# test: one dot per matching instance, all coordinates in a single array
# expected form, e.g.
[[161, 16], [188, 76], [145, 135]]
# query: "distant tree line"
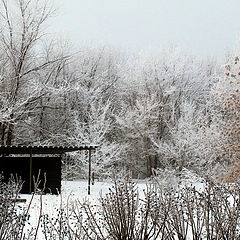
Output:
[[166, 109]]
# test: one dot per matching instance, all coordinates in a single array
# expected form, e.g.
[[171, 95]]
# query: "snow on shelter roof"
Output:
[[21, 149]]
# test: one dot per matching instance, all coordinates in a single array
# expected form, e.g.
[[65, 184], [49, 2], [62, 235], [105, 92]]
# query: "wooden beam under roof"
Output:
[[43, 149]]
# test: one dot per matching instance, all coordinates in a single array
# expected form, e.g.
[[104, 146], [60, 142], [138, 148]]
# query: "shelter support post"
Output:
[[89, 170], [30, 172]]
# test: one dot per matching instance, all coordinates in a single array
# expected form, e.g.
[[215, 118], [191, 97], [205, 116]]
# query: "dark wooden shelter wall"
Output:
[[20, 166], [52, 167]]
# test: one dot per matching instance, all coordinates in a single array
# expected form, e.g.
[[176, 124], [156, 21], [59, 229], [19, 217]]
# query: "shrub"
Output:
[[170, 213], [12, 217]]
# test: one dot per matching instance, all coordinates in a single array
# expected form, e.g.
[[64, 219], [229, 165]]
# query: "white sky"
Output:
[[204, 27]]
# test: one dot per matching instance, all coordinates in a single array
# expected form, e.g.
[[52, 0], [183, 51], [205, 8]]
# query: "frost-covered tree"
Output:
[[26, 69], [193, 142], [90, 105], [155, 90]]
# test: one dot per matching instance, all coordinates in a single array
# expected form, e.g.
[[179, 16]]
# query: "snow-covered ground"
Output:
[[71, 191], [78, 190]]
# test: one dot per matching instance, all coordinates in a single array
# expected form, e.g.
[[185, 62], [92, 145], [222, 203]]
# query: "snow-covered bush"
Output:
[[192, 143]]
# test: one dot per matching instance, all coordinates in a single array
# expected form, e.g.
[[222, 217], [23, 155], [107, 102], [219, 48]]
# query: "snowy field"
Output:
[[78, 190], [71, 191], [188, 208]]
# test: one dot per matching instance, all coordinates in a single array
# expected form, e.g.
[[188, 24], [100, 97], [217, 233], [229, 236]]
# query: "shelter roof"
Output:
[[22, 149]]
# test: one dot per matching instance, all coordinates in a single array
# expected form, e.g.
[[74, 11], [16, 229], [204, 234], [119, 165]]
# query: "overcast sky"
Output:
[[204, 27]]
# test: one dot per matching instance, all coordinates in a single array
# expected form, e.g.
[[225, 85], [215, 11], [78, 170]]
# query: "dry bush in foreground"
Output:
[[123, 214], [14, 219], [169, 214]]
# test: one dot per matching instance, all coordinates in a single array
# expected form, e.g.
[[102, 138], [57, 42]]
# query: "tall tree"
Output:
[[22, 62], [155, 89]]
